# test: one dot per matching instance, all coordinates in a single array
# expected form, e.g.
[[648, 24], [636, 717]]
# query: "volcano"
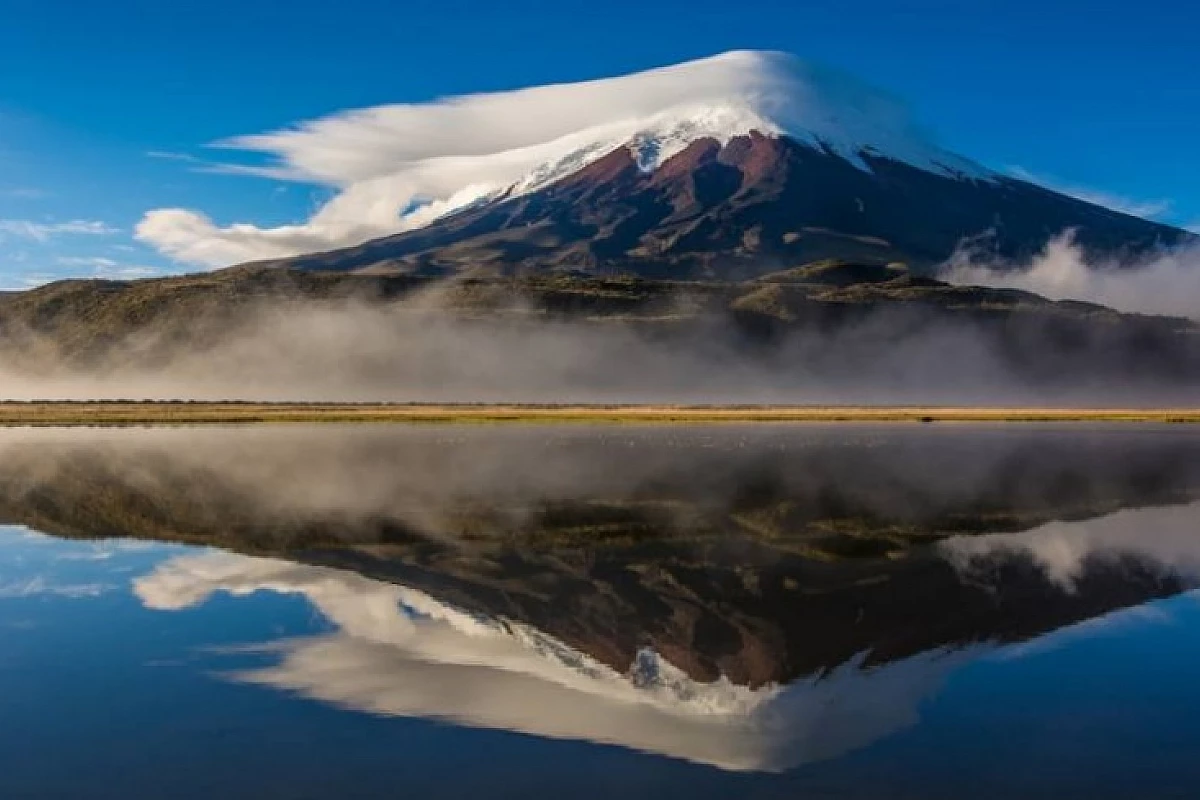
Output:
[[756, 161]]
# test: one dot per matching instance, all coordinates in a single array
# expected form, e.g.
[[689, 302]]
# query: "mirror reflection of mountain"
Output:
[[398, 652], [759, 554]]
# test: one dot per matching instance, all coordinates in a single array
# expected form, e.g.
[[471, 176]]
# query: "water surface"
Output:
[[763, 611]]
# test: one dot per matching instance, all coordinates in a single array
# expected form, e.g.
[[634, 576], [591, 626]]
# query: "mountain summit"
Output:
[[750, 161], [772, 94]]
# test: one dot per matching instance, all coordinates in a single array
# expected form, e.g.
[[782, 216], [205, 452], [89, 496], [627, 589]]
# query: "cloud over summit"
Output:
[[397, 167]]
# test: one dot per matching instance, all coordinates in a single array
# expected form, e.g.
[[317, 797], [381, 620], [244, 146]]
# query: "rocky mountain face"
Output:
[[737, 210]]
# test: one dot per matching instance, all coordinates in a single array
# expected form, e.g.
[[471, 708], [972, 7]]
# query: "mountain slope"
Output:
[[744, 208]]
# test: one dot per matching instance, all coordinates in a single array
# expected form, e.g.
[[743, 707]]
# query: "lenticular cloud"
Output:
[[398, 167]]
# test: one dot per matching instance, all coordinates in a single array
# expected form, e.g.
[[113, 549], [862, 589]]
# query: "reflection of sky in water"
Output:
[[117, 660]]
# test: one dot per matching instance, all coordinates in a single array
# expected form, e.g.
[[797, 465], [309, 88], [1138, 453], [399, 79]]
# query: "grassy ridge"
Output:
[[219, 413]]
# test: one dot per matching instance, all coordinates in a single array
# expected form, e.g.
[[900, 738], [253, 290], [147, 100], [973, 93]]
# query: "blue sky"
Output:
[[1098, 97]]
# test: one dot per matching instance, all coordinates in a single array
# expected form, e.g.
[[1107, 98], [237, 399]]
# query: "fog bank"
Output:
[[1167, 282], [416, 351]]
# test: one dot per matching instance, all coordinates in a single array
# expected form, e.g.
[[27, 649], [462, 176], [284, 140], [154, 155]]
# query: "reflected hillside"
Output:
[[761, 554]]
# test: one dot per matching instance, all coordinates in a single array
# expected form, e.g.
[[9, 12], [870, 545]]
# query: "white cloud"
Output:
[[1147, 209], [193, 238], [44, 231], [1167, 282], [387, 161]]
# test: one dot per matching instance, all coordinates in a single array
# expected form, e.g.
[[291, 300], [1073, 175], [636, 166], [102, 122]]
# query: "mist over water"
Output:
[[421, 476]]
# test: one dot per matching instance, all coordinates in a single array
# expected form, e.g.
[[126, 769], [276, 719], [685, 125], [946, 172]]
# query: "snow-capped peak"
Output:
[[399, 167], [769, 93], [651, 142], [676, 130]]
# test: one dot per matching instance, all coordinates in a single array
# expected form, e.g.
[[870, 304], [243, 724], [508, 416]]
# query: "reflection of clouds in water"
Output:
[[1168, 537], [35, 565], [97, 554], [400, 652], [40, 585]]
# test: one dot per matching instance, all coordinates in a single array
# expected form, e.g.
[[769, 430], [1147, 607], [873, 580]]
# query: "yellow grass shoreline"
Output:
[[68, 414]]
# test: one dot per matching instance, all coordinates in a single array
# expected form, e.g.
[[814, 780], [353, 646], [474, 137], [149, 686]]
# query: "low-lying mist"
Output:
[[1166, 282], [418, 350]]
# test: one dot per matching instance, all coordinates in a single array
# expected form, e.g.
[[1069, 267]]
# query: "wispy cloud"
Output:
[[39, 586], [86, 261], [44, 231], [108, 268], [277, 172], [205, 165], [168, 155], [1147, 209]]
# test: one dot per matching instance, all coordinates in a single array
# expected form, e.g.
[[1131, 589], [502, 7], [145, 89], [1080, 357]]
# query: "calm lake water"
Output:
[[770, 611]]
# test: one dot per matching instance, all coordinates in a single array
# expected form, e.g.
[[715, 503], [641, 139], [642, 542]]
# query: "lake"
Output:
[[363, 611]]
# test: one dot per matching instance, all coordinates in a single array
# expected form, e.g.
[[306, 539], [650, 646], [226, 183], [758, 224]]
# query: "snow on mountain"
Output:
[[652, 142], [400, 167], [408, 619], [822, 109]]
